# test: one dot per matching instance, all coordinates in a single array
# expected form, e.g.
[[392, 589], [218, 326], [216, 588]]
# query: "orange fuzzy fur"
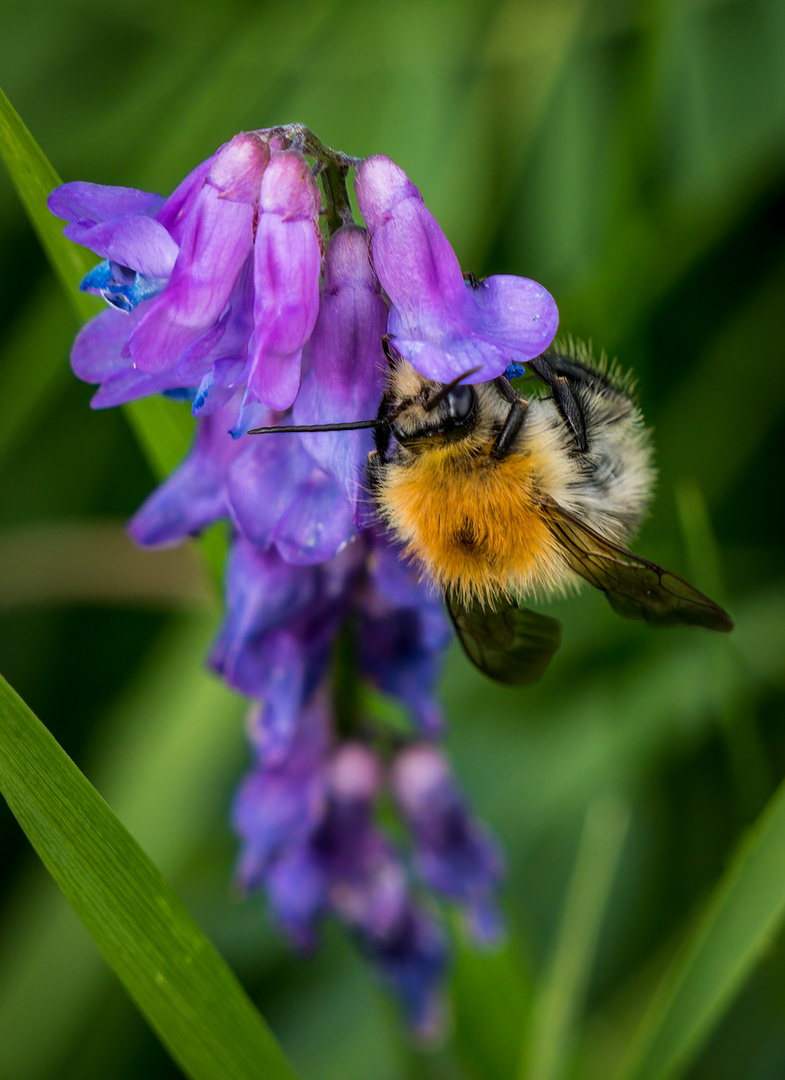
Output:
[[474, 521]]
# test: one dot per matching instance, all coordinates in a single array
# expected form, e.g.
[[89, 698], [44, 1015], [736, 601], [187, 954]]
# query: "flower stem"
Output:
[[346, 685], [332, 166]]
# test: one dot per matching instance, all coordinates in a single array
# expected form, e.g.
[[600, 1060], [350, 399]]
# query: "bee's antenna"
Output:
[[440, 395], [351, 426]]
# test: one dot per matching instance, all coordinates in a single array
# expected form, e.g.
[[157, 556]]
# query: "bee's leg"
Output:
[[565, 400], [514, 421], [393, 356], [374, 472]]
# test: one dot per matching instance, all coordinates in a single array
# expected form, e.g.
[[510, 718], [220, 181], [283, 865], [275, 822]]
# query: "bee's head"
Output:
[[418, 409], [415, 411], [446, 412]]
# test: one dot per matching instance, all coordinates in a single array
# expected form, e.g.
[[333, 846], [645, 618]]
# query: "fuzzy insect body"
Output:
[[497, 497], [479, 521]]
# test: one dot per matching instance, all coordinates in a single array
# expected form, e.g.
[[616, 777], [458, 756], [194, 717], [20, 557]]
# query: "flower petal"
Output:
[[278, 807], [297, 889], [282, 686], [516, 314], [443, 325], [263, 482], [456, 855], [226, 341], [174, 212], [278, 496], [412, 959], [88, 204], [263, 594], [195, 494], [97, 352], [237, 168], [120, 286], [318, 524], [395, 654], [140, 243], [411, 255], [217, 238], [130, 386], [344, 366], [287, 263]]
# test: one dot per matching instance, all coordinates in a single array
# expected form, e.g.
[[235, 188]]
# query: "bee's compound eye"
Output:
[[459, 403]]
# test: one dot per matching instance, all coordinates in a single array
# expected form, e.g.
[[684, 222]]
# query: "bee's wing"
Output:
[[635, 587], [508, 643]]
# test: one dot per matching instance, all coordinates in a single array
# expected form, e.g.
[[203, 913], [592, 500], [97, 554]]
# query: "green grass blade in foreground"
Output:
[[33, 178], [737, 926], [38, 340], [170, 969], [163, 428], [559, 999]]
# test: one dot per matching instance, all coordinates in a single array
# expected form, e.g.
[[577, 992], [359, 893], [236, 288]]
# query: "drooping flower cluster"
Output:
[[227, 294]]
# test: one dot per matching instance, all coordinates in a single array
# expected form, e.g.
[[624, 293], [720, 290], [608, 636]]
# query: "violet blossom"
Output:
[[227, 294], [443, 324]]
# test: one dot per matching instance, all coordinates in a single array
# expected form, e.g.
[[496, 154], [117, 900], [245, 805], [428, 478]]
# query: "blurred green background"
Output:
[[629, 155]]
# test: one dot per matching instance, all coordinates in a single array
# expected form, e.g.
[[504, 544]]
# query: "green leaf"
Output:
[[38, 341], [737, 925], [173, 973], [558, 1004], [163, 754], [34, 178], [487, 1037], [164, 428]]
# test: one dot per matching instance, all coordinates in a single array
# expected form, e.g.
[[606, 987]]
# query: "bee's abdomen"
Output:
[[477, 530]]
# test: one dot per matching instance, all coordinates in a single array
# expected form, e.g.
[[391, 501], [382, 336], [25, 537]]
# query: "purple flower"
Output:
[[344, 368], [412, 958], [271, 488], [195, 495], [278, 806], [222, 279], [137, 232], [319, 851], [282, 618], [442, 324], [287, 262], [264, 593], [97, 357], [275, 643], [279, 495], [403, 633], [226, 294], [217, 239], [455, 855]]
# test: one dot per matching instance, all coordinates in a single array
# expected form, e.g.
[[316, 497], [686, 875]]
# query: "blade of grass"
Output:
[[752, 772], [736, 926], [488, 1038], [32, 367], [164, 430], [33, 178], [163, 756], [559, 999], [173, 973]]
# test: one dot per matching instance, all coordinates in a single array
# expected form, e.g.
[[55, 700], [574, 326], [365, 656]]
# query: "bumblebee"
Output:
[[498, 496]]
